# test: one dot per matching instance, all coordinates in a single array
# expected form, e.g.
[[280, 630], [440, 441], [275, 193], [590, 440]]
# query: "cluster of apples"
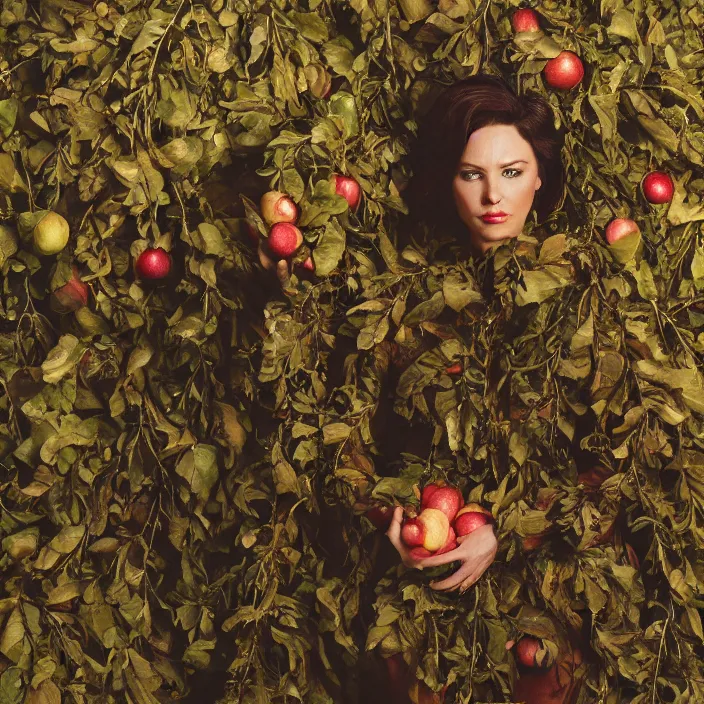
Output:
[[657, 188], [443, 518], [564, 72], [280, 212]]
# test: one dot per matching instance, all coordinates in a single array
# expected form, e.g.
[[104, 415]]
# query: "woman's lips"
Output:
[[494, 218]]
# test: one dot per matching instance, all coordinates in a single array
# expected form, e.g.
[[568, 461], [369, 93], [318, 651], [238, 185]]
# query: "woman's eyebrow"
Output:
[[517, 161]]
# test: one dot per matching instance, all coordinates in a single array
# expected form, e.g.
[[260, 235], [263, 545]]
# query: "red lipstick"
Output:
[[494, 217]]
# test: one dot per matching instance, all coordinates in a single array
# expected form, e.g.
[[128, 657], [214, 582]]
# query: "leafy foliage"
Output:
[[187, 463]]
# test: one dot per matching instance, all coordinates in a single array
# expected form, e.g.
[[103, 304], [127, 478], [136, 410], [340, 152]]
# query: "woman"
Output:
[[487, 158], [483, 155]]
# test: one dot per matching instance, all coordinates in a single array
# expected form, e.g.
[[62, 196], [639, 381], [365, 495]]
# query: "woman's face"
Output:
[[498, 171]]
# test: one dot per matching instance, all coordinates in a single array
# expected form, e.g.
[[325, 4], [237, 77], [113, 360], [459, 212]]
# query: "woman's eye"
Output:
[[465, 175]]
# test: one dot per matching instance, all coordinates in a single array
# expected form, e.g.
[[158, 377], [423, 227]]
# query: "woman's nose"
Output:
[[491, 192]]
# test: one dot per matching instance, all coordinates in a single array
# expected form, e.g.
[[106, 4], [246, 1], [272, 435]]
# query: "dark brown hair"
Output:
[[462, 108]]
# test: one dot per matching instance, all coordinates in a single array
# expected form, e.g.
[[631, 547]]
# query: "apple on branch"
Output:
[[349, 189], [71, 296], [525, 20], [619, 228], [278, 207], [153, 263], [658, 187], [565, 71]]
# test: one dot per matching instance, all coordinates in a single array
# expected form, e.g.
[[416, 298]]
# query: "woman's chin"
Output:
[[486, 240]]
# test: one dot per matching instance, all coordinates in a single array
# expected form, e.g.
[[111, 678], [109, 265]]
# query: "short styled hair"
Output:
[[466, 106]]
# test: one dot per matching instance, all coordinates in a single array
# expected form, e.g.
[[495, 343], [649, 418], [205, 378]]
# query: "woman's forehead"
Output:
[[497, 143]]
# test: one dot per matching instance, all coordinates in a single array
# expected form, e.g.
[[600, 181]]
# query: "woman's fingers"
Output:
[[282, 273], [445, 558], [478, 541], [394, 530], [281, 267], [266, 261], [455, 579]]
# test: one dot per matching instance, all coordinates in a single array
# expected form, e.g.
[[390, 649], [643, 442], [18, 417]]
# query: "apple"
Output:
[[412, 532], [437, 528], [50, 234], [470, 517], [278, 207], [565, 71], [429, 530], [349, 189], [153, 263], [428, 491], [308, 264], [454, 369], [474, 508], [619, 228], [532, 542], [447, 499], [527, 651], [284, 239], [380, 516], [469, 522], [658, 187], [525, 20], [450, 543], [419, 552], [593, 478], [71, 296]]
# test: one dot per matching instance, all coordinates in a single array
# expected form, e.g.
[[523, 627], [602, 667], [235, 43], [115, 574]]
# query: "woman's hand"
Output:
[[280, 268], [476, 552]]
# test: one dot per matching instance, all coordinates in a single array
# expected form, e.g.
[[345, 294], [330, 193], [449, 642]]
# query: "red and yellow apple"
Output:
[[278, 207], [447, 499], [619, 228], [430, 530]]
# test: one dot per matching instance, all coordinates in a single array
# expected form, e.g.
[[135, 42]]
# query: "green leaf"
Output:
[[330, 248]]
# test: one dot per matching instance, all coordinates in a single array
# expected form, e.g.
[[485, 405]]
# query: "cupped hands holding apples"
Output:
[[280, 212], [446, 531]]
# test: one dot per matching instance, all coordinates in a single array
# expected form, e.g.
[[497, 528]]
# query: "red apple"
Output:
[[380, 516], [412, 532], [278, 207], [551, 685], [526, 651], [620, 227], [594, 477], [525, 20], [428, 491], [284, 239], [532, 542], [71, 296], [472, 507], [658, 187], [454, 369], [565, 71], [308, 264], [469, 522], [153, 264], [447, 499], [450, 543], [418, 553], [349, 189]]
